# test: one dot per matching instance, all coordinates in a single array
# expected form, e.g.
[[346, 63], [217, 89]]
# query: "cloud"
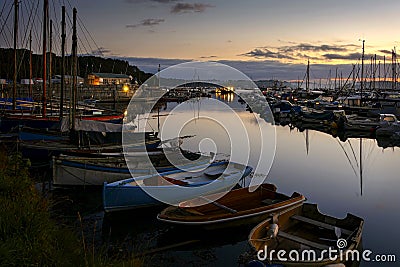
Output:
[[388, 52], [267, 54], [101, 51], [318, 48], [208, 57], [189, 8], [302, 51], [146, 22], [351, 56]]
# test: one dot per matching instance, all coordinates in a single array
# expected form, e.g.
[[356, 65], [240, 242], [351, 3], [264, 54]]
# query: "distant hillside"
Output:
[[86, 65]]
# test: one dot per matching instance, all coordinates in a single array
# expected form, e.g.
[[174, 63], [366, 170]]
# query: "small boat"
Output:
[[389, 126], [43, 150], [91, 171], [129, 194], [316, 116], [305, 229], [238, 207]]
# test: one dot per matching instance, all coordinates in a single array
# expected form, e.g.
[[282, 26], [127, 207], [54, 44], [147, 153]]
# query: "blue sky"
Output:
[[264, 38]]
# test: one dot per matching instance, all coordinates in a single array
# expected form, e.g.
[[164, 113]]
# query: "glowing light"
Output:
[[125, 88]]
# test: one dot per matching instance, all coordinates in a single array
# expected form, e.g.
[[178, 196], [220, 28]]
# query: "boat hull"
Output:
[[78, 171], [244, 217], [305, 225], [120, 198]]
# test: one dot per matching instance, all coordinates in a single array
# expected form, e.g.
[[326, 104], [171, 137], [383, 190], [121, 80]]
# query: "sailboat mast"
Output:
[[45, 19], [16, 7], [308, 76], [374, 73], [63, 36], [362, 70], [379, 75], [74, 68], [158, 75], [361, 167], [384, 72], [394, 81], [354, 77], [30, 64], [50, 62]]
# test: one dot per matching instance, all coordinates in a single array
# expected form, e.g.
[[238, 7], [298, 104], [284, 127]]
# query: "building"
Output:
[[68, 79], [108, 79]]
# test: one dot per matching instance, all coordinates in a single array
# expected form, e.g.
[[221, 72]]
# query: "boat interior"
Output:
[[305, 228], [239, 201]]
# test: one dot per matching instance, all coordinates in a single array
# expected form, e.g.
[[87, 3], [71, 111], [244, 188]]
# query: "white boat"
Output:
[[197, 181], [389, 126]]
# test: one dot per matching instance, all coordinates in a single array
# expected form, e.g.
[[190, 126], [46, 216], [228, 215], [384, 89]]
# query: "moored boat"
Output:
[[305, 229], [90, 171], [198, 180], [238, 207]]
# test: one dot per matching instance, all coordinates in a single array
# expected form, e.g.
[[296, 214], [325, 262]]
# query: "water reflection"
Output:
[[227, 97], [340, 171]]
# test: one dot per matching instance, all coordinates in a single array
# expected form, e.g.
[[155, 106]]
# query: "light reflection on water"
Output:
[[324, 169]]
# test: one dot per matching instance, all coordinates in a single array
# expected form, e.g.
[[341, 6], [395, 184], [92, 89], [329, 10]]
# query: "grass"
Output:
[[29, 236]]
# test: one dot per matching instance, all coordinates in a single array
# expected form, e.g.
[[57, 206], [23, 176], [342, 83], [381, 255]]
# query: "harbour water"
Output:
[[325, 169]]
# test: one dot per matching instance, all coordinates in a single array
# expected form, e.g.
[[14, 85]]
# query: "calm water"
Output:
[[323, 168]]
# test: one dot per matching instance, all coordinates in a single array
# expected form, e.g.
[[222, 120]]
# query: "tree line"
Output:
[[86, 65]]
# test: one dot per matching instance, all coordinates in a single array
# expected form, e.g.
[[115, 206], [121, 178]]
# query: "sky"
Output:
[[263, 38]]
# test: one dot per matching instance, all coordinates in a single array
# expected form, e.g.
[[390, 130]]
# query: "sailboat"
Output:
[[18, 117]]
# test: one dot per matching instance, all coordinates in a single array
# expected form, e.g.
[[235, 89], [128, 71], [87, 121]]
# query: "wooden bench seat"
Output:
[[319, 224]]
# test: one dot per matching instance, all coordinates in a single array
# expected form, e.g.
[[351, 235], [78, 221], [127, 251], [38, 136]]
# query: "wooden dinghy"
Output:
[[236, 208], [304, 228]]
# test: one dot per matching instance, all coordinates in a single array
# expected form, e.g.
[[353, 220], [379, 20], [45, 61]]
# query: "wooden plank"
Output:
[[302, 241], [319, 224], [219, 205], [193, 211]]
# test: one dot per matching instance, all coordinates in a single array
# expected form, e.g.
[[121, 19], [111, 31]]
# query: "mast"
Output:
[[63, 36], [384, 72], [379, 75], [374, 73], [394, 78], [371, 77], [361, 167], [354, 77], [74, 69], [336, 77], [308, 76], [50, 60], [30, 64], [362, 70], [340, 81], [16, 7], [158, 74], [45, 18], [330, 80]]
